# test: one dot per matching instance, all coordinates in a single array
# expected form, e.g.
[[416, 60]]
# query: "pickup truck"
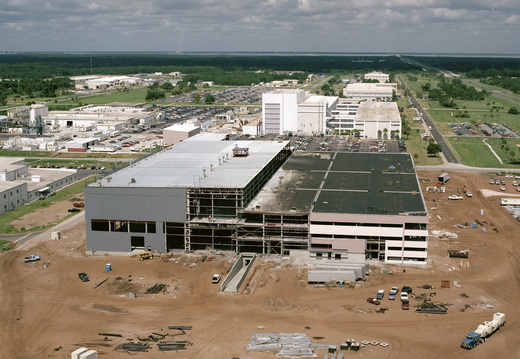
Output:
[[393, 292], [31, 258], [380, 294]]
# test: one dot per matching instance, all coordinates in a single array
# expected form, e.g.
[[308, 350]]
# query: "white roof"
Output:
[[207, 164], [181, 127]]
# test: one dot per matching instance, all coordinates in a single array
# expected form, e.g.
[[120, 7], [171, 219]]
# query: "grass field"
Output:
[[416, 146], [64, 194], [133, 95], [474, 152]]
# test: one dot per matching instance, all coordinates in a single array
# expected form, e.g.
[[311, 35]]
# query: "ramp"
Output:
[[238, 273]]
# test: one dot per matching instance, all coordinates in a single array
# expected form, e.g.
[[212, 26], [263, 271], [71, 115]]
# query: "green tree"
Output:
[[433, 149], [209, 99], [196, 97], [513, 111], [153, 95], [167, 86]]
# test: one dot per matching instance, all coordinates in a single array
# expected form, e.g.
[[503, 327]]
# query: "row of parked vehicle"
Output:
[[394, 291]]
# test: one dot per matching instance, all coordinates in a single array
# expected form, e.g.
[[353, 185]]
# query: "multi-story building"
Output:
[[293, 111], [248, 196], [20, 184], [377, 75], [378, 120], [370, 91], [280, 111]]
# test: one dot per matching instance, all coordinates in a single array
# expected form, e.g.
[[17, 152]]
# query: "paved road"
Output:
[[446, 150]]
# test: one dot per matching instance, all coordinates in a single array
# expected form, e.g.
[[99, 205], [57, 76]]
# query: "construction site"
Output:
[[167, 304]]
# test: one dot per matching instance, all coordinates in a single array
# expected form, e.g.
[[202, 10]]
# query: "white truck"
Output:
[[484, 331]]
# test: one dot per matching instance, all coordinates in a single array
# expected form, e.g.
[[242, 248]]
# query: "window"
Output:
[[118, 226], [421, 226], [139, 227], [99, 225]]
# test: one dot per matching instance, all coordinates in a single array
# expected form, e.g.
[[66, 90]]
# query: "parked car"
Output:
[[74, 209], [407, 289], [373, 301], [216, 278], [31, 258], [393, 292], [454, 197], [84, 277], [502, 188], [404, 296], [405, 305], [79, 204], [469, 194], [380, 294]]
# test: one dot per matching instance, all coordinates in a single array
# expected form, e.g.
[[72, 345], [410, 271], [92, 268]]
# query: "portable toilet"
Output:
[[108, 267]]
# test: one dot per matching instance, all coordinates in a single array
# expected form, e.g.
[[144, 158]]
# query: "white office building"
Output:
[[370, 91], [313, 114], [343, 116], [280, 111], [377, 75], [378, 120]]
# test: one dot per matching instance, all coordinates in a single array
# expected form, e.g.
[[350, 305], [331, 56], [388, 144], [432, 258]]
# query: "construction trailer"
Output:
[[443, 178]]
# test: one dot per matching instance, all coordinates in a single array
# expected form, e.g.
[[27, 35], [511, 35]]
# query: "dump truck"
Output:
[[484, 331]]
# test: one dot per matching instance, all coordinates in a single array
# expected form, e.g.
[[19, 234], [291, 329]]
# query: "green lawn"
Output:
[[134, 95], [64, 194], [415, 145], [474, 152]]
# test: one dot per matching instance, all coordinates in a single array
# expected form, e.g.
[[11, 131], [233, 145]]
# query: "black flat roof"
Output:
[[340, 182]]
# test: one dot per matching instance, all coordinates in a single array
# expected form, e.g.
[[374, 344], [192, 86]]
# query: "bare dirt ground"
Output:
[[49, 312]]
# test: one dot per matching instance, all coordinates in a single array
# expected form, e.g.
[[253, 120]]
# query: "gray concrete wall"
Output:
[[133, 204]]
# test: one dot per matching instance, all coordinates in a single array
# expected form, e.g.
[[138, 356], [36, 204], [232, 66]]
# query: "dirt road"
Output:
[[48, 312]]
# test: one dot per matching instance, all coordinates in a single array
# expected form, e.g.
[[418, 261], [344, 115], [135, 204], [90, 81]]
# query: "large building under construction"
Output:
[[254, 196]]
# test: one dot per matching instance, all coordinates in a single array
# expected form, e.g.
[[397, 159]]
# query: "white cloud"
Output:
[[266, 25]]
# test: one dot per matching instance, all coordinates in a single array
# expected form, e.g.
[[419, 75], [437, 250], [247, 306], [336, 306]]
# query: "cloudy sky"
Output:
[[436, 26]]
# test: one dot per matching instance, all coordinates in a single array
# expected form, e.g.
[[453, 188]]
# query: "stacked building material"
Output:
[[134, 347], [263, 341], [295, 345], [173, 345]]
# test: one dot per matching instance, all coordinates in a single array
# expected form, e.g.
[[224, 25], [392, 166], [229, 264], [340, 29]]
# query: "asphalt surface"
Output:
[[446, 150]]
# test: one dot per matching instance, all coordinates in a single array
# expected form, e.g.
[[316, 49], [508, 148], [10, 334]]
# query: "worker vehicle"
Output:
[[373, 301], [380, 294], [393, 292], [31, 258], [84, 277], [484, 331], [148, 254], [407, 289], [215, 279], [454, 197]]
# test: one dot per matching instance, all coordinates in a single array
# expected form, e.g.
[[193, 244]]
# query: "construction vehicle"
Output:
[[484, 331], [148, 254]]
